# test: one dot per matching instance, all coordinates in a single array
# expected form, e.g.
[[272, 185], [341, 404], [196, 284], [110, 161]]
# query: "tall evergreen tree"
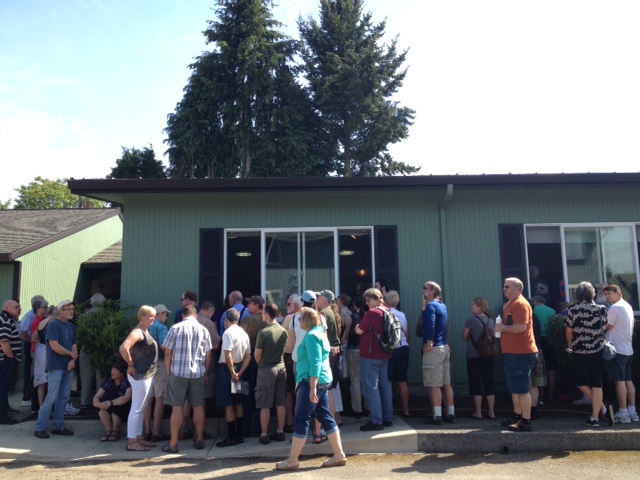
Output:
[[243, 113], [352, 77], [136, 163]]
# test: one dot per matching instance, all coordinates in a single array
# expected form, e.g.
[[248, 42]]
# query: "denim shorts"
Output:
[[619, 368], [518, 372]]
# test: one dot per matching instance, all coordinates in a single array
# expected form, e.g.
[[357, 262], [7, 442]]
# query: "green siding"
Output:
[[161, 238], [53, 271], [6, 282]]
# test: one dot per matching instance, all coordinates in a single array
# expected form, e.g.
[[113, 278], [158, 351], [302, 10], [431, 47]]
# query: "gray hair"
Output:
[[41, 302], [295, 298], [585, 292], [97, 300], [233, 315]]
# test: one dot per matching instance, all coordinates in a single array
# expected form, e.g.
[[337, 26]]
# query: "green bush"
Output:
[[101, 333]]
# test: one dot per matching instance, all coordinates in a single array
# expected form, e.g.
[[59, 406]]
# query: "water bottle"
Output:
[[498, 321]]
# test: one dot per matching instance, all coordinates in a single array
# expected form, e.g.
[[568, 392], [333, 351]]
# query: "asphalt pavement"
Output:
[[559, 428]]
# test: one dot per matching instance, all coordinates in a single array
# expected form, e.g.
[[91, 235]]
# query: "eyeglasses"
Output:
[[506, 287]]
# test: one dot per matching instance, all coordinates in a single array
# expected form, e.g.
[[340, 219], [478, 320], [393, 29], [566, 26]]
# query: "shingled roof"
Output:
[[24, 231], [109, 255]]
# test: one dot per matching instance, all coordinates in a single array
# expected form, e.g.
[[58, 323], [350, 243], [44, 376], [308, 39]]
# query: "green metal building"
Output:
[[51, 253], [275, 236]]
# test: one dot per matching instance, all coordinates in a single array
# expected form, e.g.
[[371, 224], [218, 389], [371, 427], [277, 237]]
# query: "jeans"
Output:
[[353, 367], [8, 368], [376, 389], [304, 409], [57, 397]]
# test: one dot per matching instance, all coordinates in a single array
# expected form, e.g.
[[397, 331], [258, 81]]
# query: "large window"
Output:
[[279, 262], [568, 254]]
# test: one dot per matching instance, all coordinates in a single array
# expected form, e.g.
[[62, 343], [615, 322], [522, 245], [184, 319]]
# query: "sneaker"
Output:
[[592, 423], [26, 403], [370, 427], [62, 431], [520, 426], [277, 436], [634, 417], [8, 421], [584, 400], [387, 423], [512, 420], [264, 439], [168, 448], [71, 410], [228, 442], [450, 419], [619, 418], [41, 434]]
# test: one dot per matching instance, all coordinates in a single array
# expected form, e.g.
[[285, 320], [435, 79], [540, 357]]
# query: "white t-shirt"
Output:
[[300, 333], [236, 340], [620, 315]]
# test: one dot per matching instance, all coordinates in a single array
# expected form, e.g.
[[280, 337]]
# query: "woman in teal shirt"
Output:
[[313, 375]]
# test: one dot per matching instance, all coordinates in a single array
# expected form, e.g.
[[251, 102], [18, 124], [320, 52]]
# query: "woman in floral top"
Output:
[[584, 332]]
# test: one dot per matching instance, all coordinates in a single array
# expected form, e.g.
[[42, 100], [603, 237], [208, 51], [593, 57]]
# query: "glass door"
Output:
[[296, 261]]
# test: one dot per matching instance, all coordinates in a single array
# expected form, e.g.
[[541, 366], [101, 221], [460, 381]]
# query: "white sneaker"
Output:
[[71, 410], [619, 418], [634, 417], [584, 400]]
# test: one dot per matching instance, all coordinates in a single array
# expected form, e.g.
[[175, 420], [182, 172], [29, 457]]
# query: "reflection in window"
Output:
[[601, 255]]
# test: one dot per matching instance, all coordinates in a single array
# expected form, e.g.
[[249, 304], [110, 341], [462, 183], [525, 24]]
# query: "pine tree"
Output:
[[352, 77]]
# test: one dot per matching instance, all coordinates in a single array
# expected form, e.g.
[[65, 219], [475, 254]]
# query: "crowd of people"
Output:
[[258, 360]]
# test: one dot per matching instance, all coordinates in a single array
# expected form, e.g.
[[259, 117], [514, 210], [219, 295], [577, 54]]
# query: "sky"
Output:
[[505, 86]]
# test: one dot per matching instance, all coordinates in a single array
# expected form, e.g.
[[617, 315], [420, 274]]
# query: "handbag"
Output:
[[486, 346], [608, 348]]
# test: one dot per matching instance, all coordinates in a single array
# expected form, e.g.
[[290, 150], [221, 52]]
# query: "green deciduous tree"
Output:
[[5, 205], [352, 77], [136, 163], [50, 194], [243, 112]]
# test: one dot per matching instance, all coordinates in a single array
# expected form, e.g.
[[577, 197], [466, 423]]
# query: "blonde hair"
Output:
[[145, 311], [373, 293], [309, 318]]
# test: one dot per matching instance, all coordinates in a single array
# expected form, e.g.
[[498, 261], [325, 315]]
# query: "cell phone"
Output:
[[509, 319]]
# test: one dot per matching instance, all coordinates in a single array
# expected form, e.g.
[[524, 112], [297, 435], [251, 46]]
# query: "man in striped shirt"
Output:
[[187, 357], [9, 356]]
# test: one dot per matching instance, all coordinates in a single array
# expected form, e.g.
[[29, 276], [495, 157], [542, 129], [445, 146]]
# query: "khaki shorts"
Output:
[[271, 387], [436, 367], [159, 382]]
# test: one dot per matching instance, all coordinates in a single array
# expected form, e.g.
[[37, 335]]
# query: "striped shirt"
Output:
[[189, 342], [9, 333]]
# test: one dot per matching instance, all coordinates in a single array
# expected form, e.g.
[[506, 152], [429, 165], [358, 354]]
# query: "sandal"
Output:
[[318, 439], [285, 466], [136, 447], [114, 436], [105, 437], [333, 462], [146, 443]]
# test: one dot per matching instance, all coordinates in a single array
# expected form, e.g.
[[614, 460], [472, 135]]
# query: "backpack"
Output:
[[391, 336], [487, 346]]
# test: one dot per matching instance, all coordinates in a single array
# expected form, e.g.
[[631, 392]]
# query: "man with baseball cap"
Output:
[[62, 354]]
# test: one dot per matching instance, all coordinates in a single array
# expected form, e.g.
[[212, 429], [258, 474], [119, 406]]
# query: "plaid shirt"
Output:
[[189, 341]]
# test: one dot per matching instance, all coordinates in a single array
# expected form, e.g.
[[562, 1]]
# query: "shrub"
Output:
[[101, 332]]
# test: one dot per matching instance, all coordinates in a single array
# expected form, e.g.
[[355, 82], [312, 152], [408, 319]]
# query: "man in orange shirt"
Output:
[[520, 353]]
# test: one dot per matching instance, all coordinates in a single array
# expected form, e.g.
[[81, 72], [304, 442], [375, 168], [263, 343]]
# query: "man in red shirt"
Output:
[[374, 364]]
